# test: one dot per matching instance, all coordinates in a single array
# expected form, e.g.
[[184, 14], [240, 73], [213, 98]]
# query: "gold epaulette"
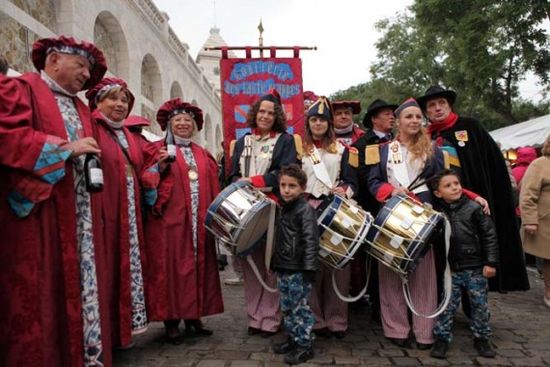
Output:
[[353, 159], [232, 147], [372, 154], [299, 147]]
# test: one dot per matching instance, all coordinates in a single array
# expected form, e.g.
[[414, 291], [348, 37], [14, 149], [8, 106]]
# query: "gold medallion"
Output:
[[193, 175]]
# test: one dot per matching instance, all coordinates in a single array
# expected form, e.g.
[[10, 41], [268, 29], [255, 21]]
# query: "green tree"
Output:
[[480, 48]]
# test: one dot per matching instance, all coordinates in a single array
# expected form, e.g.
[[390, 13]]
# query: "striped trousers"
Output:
[[329, 310], [394, 309], [262, 307]]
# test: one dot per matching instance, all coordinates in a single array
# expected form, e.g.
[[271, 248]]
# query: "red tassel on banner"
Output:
[[248, 52], [272, 52], [296, 51], [224, 52]]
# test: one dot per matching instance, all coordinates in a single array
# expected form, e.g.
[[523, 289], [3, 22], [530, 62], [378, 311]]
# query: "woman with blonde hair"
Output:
[[409, 158], [535, 213]]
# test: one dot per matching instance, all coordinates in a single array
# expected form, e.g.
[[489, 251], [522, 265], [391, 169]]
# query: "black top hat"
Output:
[[436, 91], [374, 107]]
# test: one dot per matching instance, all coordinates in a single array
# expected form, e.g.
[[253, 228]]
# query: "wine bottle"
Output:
[[170, 144], [93, 173]]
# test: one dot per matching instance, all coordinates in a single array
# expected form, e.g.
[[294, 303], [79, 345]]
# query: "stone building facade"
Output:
[[138, 43]]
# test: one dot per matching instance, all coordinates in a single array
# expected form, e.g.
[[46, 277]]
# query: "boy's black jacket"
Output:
[[473, 240], [297, 241]]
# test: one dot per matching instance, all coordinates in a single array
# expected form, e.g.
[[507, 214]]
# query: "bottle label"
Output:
[[171, 150], [96, 176]]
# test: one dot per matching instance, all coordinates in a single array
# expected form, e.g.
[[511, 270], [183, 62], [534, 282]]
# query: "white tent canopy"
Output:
[[528, 133]]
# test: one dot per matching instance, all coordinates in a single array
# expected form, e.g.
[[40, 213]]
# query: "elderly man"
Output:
[[474, 154], [53, 310], [379, 123], [346, 131]]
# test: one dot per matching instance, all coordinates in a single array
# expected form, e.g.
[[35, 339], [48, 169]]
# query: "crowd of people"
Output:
[[105, 230]]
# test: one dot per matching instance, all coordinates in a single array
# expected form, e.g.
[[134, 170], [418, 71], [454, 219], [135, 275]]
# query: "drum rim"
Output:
[[326, 219], [224, 194]]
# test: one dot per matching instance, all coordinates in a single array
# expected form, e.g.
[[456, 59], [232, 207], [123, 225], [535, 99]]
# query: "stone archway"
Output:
[[209, 144], [110, 38], [151, 83], [218, 139], [176, 91]]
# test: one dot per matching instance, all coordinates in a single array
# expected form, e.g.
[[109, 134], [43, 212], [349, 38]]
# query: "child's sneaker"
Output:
[[284, 347], [439, 350], [484, 348], [299, 355]]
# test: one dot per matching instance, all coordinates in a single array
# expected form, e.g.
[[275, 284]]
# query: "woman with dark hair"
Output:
[[321, 148], [268, 148], [128, 171]]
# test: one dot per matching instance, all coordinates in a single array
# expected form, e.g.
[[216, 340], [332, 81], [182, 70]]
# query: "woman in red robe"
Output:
[[182, 270], [129, 171]]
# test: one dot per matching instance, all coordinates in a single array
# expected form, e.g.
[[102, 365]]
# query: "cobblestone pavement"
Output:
[[520, 322]]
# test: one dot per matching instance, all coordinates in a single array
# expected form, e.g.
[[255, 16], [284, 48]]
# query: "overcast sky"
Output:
[[343, 31]]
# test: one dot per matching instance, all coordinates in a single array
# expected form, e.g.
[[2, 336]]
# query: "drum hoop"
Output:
[[331, 211], [356, 243]]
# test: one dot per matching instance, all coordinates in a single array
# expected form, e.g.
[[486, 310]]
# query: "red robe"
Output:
[[116, 235], [178, 285], [40, 307]]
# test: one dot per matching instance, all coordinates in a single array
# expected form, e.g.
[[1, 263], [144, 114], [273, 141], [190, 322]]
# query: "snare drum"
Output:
[[239, 217], [402, 232], [343, 226]]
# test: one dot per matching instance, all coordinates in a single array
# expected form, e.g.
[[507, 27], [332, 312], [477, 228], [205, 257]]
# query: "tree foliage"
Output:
[[480, 48]]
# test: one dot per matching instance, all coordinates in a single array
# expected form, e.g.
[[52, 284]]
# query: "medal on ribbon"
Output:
[[462, 137]]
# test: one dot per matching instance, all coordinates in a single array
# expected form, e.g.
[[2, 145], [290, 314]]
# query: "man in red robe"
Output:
[[182, 280], [53, 311]]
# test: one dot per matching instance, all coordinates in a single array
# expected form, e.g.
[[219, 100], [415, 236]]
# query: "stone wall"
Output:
[[137, 41]]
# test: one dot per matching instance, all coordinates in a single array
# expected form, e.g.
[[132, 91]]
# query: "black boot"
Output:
[[284, 347], [439, 349], [484, 348], [299, 355]]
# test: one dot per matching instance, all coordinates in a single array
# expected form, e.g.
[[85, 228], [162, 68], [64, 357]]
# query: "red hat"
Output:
[[272, 96], [97, 91], [354, 105], [135, 120], [176, 106], [68, 45], [310, 96]]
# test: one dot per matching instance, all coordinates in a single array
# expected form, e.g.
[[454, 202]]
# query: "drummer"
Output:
[[396, 166], [182, 271], [328, 166], [269, 148]]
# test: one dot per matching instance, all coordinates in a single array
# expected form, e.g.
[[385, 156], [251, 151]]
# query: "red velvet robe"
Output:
[[116, 218], [178, 285], [40, 307]]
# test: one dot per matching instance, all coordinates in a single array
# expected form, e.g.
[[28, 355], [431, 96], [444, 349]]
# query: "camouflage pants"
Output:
[[475, 284], [297, 316]]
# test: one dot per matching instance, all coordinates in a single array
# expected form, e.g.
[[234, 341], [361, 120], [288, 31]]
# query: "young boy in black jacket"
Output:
[[295, 261], [473, 257]]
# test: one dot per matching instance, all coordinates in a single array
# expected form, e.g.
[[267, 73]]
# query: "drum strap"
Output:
[[447, 281], [270, 234]]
